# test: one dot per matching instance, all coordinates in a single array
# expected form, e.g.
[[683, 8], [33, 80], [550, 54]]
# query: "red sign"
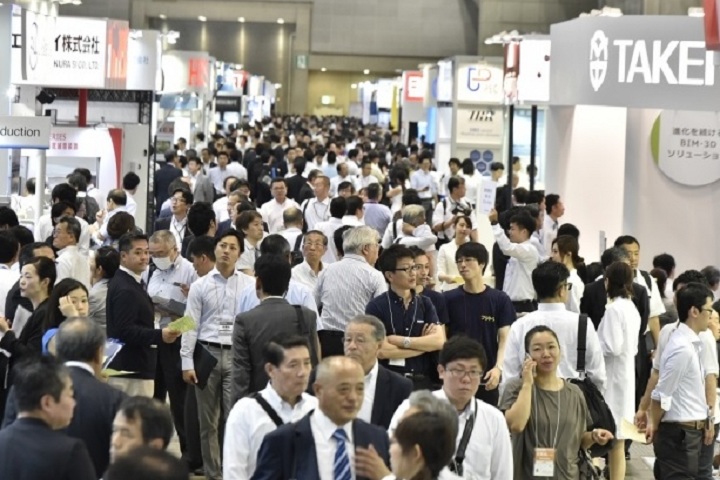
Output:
[[413, 86], [712, 25], [198, 72]]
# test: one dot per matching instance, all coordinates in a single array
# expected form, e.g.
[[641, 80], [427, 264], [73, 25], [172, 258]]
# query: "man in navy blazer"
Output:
[[318, 446], [385, 390]]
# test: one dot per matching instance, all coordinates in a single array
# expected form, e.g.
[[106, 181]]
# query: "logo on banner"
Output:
[[482, 115], [476, 76], [598, 59]]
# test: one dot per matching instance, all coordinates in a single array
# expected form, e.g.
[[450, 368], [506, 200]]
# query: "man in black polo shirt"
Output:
[[482, 313], [412, 324]]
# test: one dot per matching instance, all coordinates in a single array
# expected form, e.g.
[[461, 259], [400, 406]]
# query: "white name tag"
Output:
[[225, 331], [397, 362]]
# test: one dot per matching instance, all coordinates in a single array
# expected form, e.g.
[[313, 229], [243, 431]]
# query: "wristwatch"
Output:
[[406, 342]]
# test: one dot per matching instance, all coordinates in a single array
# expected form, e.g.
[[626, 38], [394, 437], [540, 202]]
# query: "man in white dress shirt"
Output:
[[446, 212], [272, 211], [554, 209], [250, 223], [70, 262], [488, 455], [287, 363], [366, 176], [355, 211], [225, 169], [524, 259], [680, 419], [212, 303], [316, 210], [44, 227], [338, 207], [314, 246], [131, 180], [293, 223], [343, 175], [422, 180], [550, 280]]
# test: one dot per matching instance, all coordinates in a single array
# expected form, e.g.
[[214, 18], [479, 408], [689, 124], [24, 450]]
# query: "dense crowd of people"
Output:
[[314, 302]]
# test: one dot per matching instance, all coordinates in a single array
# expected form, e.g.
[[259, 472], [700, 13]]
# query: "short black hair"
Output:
[[689, 276], [612, 255], [354, 203], [274, 273], [454, 161], [120, 224], [664, 261], [712, 274], [170, 155], [126, 241], [202, 245], [8, 217], [85, 172], [109, 259], [524, 221], [345, 185], [199, 218], [186, 195], [147, 463], [338, 207], [390, 256], [30, 186], [474, 250], [64, 192], [462, 347], [568, 229], [534, 331], [155, 419], [37, 377], [547, 278], [411, 197], [63, 288], [22, 234], [232, 233], [27, 252], [338, 239], [495, 166], [455, 182], [551, 200], [131, 180], [243, 221], [9, 247], [73, 227], [619, 277], [275, 244], [58, 209], [373, 191], [626, 240], [691, 295], [78, 182], [274, 351]]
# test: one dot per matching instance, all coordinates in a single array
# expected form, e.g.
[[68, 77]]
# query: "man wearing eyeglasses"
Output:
[[482, 313], [410, 319], [550, 280]]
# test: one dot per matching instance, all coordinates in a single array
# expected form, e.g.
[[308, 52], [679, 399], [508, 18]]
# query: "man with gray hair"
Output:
[[70, 262], [344, 288], [80, 343], [168, 281], [293, 223]]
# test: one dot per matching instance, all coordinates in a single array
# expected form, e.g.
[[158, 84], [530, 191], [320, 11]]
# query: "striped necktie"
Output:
[[341, 468]]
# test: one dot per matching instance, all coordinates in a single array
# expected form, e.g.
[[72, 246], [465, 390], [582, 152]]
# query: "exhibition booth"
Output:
[[633, 135]]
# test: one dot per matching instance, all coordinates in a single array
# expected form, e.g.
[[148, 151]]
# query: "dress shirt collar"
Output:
[[323, 202], [138, 278], [275, 400], [178, 224], [67, 249], [355, 257], [395, 298], [688, 332], [469, 409], [99, 284], [82, 366], [371, 377], [551, 307], [216, 273], [327, 427]]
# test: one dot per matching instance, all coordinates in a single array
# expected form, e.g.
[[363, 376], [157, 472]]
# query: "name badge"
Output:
[[225, 330], [544, 462], [397, 362]]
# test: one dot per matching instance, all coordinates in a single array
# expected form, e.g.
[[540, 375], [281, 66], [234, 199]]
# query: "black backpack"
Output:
[[296, 255], [599, 411]]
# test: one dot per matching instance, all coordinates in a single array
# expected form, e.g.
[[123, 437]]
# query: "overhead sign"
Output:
[[413, 86], [480, 83], [25, 132], [144, 53], [444, 84], [686, 146], [186, 71], [633, 61], [79, 52]]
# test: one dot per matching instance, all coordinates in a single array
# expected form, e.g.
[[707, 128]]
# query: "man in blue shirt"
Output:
[[482, 313], [414, 331]]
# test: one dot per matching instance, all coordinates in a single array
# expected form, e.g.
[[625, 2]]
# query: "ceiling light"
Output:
[[241, 19], [323, 69], [280, 21], [278, 86], [366, 71], [162, 16], [77, 2], [696, 12], [353, 86], [202, 18]]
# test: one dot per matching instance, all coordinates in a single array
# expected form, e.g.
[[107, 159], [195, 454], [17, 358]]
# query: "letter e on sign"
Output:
[[414, 90]]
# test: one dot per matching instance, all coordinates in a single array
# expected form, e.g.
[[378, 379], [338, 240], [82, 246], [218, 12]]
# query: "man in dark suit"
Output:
[[296, 182], [131, 319], [81, 343], [162, 178], [32, 448], [255, 328], [384, 390], [318, 446]]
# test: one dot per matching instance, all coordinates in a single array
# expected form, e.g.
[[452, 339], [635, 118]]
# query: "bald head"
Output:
[[292, 217], [339, 387], [80, 340]]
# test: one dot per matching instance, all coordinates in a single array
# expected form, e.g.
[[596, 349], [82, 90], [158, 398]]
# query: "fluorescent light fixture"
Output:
[[162, 16], [366, 71], [77, 2], [353, 86], [202, 18], [278, 86], [280, 21], [696, 12], [323, 69], [241, 19]]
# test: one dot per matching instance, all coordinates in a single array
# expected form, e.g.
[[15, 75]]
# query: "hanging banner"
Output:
[[144, 53], [413, 86], [686, 146], [25, 132], [480, 83]]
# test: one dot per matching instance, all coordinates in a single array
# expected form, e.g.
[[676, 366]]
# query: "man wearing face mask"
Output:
[[169, 278]]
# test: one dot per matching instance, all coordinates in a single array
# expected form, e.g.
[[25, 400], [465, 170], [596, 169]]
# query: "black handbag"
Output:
[[599, 411]]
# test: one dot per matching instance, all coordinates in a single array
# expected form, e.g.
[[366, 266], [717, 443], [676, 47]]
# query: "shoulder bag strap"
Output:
[[648, 281], [464, 441], [306, 333], [298, 241], [268, 409], [582, 340]]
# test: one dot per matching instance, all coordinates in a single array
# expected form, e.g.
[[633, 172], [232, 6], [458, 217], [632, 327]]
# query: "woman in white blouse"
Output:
[[398, 184], [447, 268], [618, 332], [473, 181], [565, 250]]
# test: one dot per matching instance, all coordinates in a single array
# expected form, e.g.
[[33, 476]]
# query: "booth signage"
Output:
[[480, 83], [25, 132], [413, 86], [479, 126], [633, 61], [79, 52], [686, 146]]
